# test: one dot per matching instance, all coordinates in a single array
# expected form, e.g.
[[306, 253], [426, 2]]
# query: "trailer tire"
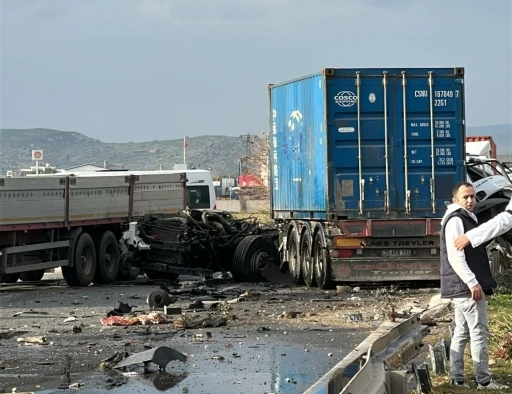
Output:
[[251, 256], [306, 261], [321, 261], [84, 258], [107, 258], [294, 255], [9, 278], [32, 276]]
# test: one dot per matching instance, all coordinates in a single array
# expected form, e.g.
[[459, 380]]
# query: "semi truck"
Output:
[[362, 165], [75, 222]]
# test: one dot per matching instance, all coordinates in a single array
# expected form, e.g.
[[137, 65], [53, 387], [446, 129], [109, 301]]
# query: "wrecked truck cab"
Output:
[[197, 242], [493, 189]]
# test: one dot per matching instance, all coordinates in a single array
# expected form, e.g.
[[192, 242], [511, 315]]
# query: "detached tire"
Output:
[[251, 256], [158, 299], [9, 278], [32, 276], [84, 259], [107, 258]]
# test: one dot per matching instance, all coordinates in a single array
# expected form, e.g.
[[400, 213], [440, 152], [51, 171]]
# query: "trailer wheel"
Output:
[[321, 262], [84, 268], [306, 260], [32, 276], [107, 258], [252, 254], [9, 278], [293, 255]]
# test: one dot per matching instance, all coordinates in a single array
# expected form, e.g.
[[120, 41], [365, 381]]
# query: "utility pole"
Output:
[[244, 160]]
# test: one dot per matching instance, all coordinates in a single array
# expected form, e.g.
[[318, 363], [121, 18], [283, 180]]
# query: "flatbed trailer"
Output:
[[75, 222]]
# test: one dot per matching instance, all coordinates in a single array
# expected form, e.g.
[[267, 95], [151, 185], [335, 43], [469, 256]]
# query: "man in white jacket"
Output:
[[491, 229], [466, 279]]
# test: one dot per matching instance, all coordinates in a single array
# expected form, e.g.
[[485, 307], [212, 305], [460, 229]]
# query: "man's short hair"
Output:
[[458, 186]]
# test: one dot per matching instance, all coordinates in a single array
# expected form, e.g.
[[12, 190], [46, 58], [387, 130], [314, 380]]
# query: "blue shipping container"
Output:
[[367, 143]]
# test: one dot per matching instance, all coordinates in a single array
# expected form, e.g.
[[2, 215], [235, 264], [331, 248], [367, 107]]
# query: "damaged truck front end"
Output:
[[199, 243]]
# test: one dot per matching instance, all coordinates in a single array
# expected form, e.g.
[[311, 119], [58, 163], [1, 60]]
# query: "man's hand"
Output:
[[476, 293], [461, 242]]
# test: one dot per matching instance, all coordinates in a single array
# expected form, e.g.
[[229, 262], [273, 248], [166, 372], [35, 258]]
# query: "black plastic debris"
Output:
[[161, 356], [120, 309], [198, 304], [272, 273]]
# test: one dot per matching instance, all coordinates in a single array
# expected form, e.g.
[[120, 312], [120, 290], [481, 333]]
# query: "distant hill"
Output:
[[66, 149], [501, 134]]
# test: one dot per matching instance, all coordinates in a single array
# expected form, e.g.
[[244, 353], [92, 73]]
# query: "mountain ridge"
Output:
[[65, 149]]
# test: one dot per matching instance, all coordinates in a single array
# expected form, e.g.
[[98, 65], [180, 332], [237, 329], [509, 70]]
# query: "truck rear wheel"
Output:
[[306, 261], [321, 262], [32, 276], [84, 259], [9, 278], [252, 254], [293, 255], [107, 258]]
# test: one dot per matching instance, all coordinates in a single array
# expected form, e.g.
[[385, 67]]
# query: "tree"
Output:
[[255, 169]]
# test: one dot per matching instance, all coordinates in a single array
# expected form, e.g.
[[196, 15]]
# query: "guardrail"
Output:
[[368, 369]]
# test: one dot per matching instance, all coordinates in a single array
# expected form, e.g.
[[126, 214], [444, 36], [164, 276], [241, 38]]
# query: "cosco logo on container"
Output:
[[345, 99]]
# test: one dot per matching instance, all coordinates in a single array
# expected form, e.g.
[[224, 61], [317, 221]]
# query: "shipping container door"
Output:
[[430, 139], [297, 145], [361, 127]]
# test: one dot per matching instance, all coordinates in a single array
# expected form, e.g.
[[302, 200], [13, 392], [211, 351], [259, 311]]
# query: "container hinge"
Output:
[[72, 181], [460, 122], [361, 201], [386, 200], [2, 183], [459, 81]]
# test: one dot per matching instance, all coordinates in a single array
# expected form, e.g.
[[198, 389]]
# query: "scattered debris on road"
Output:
[[39, 340], [151, 318]]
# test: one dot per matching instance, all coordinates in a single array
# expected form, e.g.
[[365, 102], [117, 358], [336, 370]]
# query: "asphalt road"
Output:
[[259, 350]]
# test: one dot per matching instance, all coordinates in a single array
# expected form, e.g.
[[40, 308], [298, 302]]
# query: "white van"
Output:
[[200, 190]]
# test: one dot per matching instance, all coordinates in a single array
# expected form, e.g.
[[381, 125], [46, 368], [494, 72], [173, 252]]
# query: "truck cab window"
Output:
[[198, 196]]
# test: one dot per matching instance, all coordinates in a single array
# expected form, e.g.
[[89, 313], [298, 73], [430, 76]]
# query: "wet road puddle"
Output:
[[253, 366]]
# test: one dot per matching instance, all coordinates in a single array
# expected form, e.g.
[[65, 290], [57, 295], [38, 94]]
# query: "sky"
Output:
[[143, 70]]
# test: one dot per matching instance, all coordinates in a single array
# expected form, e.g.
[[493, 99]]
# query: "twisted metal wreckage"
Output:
[[200, 242]]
